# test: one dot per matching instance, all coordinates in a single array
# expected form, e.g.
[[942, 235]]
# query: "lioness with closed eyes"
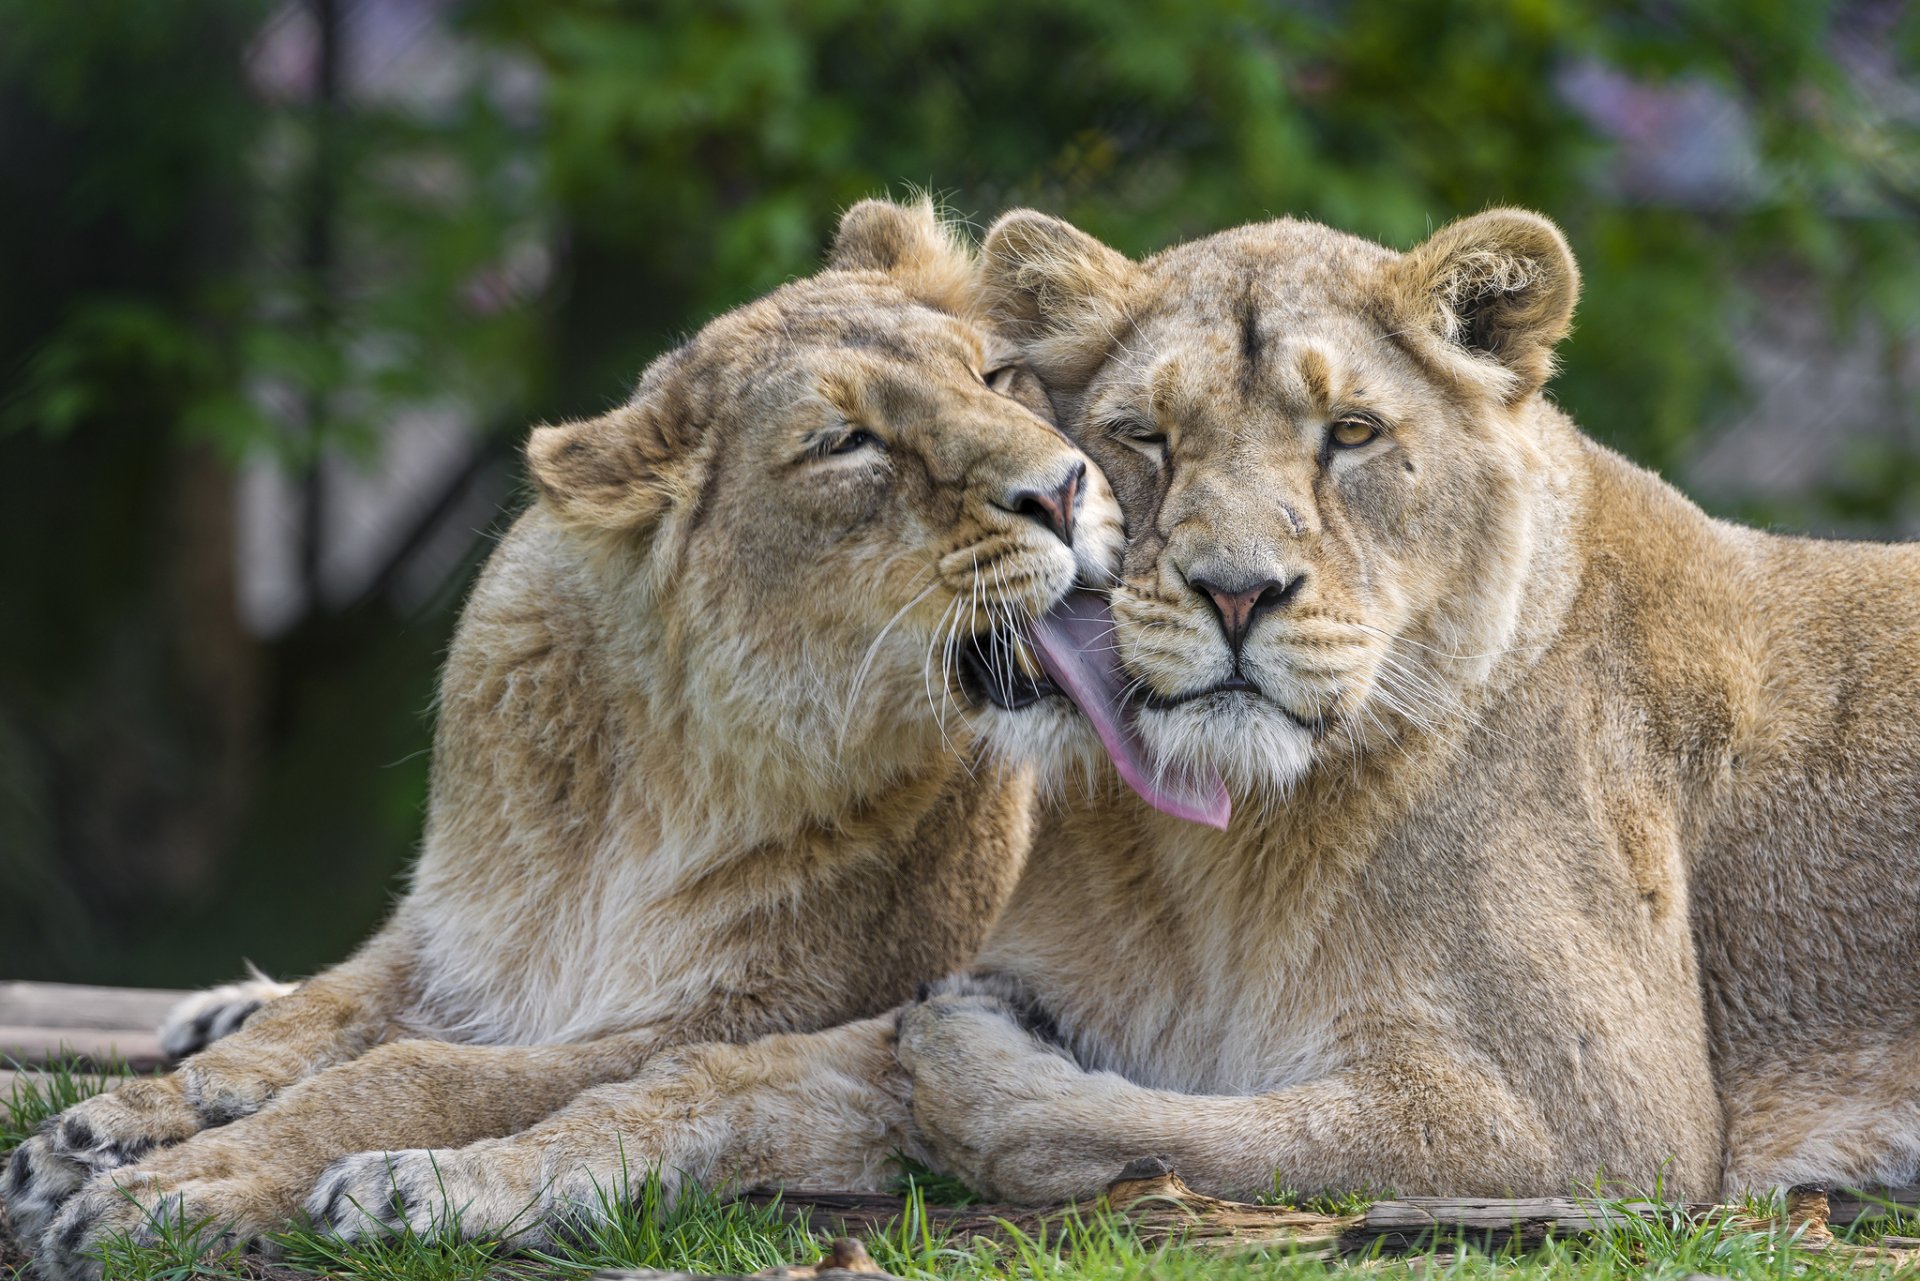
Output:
[[713, 758], [1575, 833]]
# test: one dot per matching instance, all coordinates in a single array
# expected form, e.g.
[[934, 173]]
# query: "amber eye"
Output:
[[1351, 433], [854, 441]]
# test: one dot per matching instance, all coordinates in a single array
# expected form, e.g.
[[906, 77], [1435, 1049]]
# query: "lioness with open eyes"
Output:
[[1575, 834], [710, 760]]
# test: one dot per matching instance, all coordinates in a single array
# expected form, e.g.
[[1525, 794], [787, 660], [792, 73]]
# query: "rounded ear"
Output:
[[1057, 291], [908, 242], [1499, 285], [603, 475]]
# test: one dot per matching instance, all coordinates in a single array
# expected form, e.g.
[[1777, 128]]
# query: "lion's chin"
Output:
[[1255, 745], [1049, 736]]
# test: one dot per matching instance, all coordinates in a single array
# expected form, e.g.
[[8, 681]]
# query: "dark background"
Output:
[[284, 284]]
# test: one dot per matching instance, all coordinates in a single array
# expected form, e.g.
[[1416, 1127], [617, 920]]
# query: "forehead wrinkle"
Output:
[[1325, 381], [1168, 395], [1252, 341]]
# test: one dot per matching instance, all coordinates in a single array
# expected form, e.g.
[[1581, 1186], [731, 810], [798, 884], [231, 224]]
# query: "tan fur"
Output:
[[703, 769], [1589, 847], [1591, 854]]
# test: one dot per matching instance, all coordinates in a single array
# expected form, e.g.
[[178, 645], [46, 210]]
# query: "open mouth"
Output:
[[1074, 644], [991, 671]]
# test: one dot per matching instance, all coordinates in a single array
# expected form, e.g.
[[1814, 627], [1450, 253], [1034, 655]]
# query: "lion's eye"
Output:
[[852, 442], [1351, 433], [1141, 435], [999, 379]]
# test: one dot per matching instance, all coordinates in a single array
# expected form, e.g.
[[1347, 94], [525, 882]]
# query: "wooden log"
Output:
[[1411, 1223], [1161, 1208], [73, 1005], [95, 1048], [1850, 1205]]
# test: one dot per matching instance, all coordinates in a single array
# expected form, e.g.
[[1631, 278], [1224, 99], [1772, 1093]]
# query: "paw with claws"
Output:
[[490, 1191], [988, 1092], [130, 1207], [99, 1135]]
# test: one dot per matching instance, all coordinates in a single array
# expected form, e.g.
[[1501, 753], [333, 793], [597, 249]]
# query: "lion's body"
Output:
[[1579, 833], [701, 773], [545, 795], [1576, 830], [1665, 877]]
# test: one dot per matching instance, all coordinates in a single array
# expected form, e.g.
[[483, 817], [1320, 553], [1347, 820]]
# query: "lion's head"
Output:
[[832, 517], [1326, 453]]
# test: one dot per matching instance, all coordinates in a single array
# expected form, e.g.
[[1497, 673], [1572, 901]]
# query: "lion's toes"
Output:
[[38, 1182], [374, 1194], [199, 1020], [140, 1208], [490, 1192], [102, 1215], [108, 1131], [221, 1097]]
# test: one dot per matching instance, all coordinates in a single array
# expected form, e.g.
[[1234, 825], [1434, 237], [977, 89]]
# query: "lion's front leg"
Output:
[[1020, 1120], [827, 1107]]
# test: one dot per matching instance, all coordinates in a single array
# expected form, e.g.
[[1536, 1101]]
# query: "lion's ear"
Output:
[[1499, 285], [1057, 291], [925, 256], [605, 474]]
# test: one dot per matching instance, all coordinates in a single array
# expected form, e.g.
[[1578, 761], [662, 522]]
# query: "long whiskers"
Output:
[[866, 665]]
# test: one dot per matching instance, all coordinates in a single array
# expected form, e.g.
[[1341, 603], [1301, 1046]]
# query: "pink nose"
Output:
[[1239, 607], [1054, 509]]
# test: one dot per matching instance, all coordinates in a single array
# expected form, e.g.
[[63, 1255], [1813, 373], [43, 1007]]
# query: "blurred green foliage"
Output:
[[200, 269]]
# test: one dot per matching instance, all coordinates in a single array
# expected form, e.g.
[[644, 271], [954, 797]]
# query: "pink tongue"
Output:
[[1075, 643]]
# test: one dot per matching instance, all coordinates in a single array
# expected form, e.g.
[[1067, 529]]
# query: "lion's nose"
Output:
[[1240, 606], [1053, 508]]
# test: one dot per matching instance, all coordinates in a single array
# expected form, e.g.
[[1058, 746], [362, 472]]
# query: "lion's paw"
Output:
[[491, 1191], [984, 1088], [199, 1020], [38, 1183], [130, 1208], [975, 1044], [98, 1135], [419, 1191], [221, 1091]]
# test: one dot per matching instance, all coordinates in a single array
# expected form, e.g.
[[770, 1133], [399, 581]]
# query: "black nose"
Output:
[[1055, 508], [1238, 607]]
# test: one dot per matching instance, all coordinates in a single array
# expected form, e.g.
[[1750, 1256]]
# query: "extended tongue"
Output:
[[1075, 643]]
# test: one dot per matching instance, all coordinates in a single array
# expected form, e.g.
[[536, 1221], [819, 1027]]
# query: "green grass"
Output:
[[704, 1234]]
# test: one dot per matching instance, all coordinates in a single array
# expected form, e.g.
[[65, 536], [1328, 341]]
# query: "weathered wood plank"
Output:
[[75, 1005], [1853, 1204], [30, 1046], [1163, 1208]]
